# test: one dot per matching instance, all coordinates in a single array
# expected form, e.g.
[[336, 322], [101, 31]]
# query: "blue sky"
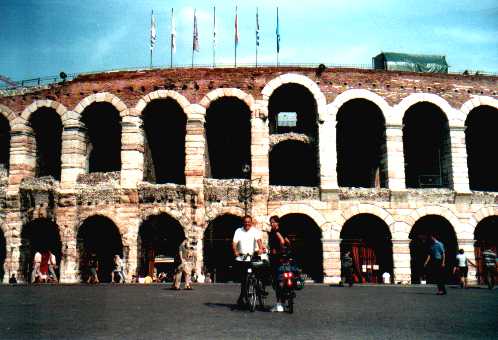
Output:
[[44, 37]]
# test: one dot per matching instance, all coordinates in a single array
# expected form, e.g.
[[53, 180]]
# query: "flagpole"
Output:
[[236, 32], [151, 46], [214, 36], [171, 43], [278, 38], [193, 43], [257, 36]]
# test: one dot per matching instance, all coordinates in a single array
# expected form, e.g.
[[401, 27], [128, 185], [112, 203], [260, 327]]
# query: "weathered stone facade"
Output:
[[127, 200]]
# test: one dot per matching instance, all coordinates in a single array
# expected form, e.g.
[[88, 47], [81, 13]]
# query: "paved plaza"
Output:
[[208, 312]]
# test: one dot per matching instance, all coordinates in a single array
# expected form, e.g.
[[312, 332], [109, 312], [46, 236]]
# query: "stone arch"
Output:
[[228, 92], [371, 209], [450, 113], [76, 227], [344, 97], [433, 210], [272, 85], [302, 209], [173, 213], [101, 97], [477, 101], [481, 214], [7, 113], [215, 213], [161, 94], [58, 107]]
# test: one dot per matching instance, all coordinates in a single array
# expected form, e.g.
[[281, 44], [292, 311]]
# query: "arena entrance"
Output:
[[369, 239], [284, 156], [40, 235], [98, 235], [3, 255], [485, 236], [420, 244], [217, 252], [306, 244], [4, 145], [158, 242]]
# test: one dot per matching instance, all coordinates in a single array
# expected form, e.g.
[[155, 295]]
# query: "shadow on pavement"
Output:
[[232, 306]]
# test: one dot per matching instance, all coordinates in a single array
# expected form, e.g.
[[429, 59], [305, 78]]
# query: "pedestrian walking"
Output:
[[35, 273], [186, 259], [489, 257], [118, 270], [52, 266], [93, 266], [437, 259], [462, 267], [347, 268]]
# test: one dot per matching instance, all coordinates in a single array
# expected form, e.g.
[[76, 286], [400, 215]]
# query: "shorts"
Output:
[[93, 271], [463, 271]]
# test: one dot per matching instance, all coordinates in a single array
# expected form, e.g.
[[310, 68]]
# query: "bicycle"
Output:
[[254, 289]]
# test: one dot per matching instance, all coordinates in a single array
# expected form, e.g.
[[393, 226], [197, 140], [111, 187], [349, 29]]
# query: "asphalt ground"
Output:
[[138, 311]]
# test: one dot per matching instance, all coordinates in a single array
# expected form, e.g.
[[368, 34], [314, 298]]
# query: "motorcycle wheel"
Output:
[[290, 304], [251, 295]]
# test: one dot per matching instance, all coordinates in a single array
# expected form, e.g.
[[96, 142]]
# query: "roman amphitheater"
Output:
[[131, 162]]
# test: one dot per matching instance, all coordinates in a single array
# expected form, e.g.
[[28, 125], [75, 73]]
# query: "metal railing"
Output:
[[41, 81]]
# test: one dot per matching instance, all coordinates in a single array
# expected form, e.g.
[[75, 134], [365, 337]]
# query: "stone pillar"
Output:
[[331, 260], [13, 224], [129, 217], [260, 172], [132, 150], [328, 159], [22, 154], [401, 260], [195, 143], [67, 220], [460, 174], [395, 157], [73, 153]]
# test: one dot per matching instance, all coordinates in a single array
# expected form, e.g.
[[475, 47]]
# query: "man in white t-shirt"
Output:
[[246, 240], [36, 266]]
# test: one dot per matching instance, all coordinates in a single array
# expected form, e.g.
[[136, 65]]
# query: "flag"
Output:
[[153, 31], [195, 44], [237, 37], [173, 32], [257, 28], [278, 34], [214, 26]]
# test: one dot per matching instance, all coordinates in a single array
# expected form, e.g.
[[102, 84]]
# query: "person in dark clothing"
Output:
[[437, 258], [93, 266], [347, 268], [277, 243]]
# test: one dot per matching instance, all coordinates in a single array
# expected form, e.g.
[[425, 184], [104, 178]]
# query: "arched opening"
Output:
[[427, 147], [292, 108], [3, 255], [217, 253], [103, 125], [368, 239], [306, 243], [228, 135], [293, 163], [159, 239], [361, 145], [480, 135], [485, 236], [4, 145], [47, 128], [40, 235], [98, 235], [165, 128], [420, 245]]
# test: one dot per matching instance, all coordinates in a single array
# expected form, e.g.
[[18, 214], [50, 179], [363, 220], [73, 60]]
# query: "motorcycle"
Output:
[[290, 279]]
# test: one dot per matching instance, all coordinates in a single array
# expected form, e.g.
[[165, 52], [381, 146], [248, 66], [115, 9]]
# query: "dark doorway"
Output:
[[217, 252], [480, 135], [485, 236], [297, 99], [361, 145], [369, 240], [160, 238], [165, 129], [293, 163], [420, 244], [103, 125], [306, 243], [3, 255], [4, 144], [40, 235], [47, 128], [228, 135], [99, 235], [427, 147]]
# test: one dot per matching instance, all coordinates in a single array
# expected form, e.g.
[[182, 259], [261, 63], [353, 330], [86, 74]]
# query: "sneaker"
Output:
[[277, 308]]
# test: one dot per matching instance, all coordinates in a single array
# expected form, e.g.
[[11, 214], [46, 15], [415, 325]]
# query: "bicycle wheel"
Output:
[[251, 294], [261, 297], [290, 304]]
